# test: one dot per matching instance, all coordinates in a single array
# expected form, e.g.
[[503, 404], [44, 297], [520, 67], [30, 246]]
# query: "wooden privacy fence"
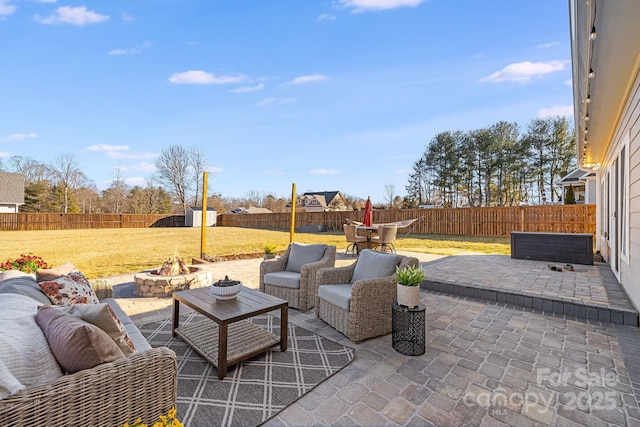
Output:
[[58, 221], [496, 222], [493, 221]]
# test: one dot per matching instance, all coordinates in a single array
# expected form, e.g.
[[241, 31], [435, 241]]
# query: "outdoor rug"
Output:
[[255, 390]]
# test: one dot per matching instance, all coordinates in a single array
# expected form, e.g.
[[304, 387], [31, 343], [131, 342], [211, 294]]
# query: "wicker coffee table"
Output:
[[232, 338]]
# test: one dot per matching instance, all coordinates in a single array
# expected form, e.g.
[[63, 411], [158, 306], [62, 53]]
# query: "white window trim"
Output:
[[624, 197]]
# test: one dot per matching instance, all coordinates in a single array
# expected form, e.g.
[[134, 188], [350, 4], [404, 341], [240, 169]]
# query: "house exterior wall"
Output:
[[11, 192], [618, 213]]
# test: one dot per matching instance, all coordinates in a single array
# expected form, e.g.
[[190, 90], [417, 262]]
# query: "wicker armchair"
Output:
[[360, 309], [299, 288], [143, 385]]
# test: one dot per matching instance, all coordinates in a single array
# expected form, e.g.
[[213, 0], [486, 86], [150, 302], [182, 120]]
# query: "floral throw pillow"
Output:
[[71, 289]]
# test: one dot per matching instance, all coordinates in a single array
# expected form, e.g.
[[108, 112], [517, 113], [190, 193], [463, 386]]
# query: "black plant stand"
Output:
[[408, 331]]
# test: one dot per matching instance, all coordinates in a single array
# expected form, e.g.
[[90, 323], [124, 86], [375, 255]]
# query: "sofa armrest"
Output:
[[273, 265], [309, 272], [102, 287], [143, 385]]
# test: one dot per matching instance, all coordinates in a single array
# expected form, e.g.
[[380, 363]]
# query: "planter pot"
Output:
[[269, 256], [408, 296]]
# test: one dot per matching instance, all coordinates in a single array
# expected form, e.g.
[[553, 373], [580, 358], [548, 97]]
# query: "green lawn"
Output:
[[108, 252]]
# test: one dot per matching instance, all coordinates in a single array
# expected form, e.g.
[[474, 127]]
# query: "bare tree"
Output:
[[198, 163], [115, 197], [69, 177], [172, 170], [389, 194]]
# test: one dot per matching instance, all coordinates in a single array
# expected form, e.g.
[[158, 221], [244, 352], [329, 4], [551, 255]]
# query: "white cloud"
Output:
[[135, 181], [324, 172], [325, 17], [214, 169], [107, 147], [6, 9], [20, 136], [276, 101], [73, 15], [307, 79], [246, 89], [121, 155], [4, 154], [131, 50], [203, 78], [547, 45], [148, 167], [364, 5], [556, 110], [524, 72]]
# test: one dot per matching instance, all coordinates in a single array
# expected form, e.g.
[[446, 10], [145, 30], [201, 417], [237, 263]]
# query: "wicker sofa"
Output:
[[141, 385]]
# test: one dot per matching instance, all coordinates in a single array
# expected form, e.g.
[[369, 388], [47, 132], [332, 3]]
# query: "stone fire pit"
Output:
[[151, 284]]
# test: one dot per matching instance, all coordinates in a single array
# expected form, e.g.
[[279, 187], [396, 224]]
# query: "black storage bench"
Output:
[[576, 248]]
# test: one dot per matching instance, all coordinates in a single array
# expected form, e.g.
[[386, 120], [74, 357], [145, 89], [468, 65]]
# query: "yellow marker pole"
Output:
[[203, 226], [293, 212]]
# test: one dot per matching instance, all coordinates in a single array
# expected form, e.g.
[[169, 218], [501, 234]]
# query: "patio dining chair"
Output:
[[385, 238], [351, 234]]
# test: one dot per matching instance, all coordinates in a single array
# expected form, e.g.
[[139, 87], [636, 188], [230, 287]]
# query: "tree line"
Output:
[[494, 166], [61, 186]]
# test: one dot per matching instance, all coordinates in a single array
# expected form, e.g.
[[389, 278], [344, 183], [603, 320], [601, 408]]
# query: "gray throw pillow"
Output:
[[375, 265], [26, 286], [304, 254]]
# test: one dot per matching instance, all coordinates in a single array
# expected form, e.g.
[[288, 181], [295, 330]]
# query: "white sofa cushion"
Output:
[[25, 357], [284, 279]]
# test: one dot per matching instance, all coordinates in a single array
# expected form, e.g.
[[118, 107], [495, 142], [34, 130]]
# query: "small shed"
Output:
[[193, 217]]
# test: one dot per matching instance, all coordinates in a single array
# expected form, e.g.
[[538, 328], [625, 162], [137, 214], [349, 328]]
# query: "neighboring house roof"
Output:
[[325, 197], [249, 210], [326, 200], [577, 175], [11, 188]]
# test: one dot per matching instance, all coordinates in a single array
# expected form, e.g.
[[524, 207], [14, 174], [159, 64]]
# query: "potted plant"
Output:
[[270, 250], [408, 288]]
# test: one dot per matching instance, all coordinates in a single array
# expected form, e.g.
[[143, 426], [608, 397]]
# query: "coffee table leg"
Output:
[[284, 322], [222, 350], [175, 317]]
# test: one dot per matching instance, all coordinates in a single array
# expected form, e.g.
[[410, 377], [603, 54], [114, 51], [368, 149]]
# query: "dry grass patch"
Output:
[[109, 252]]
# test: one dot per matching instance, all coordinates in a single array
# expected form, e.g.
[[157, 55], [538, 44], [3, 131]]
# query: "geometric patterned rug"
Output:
[[254, 390]]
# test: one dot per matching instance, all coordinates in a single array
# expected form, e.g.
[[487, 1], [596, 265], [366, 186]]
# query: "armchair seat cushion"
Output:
[[372, 264], [284, 279], [304, 254], [338, 295]]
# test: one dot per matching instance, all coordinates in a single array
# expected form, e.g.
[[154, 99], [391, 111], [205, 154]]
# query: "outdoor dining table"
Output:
[[368, 232]]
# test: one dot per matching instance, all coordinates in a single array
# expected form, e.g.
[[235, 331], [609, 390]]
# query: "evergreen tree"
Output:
[[570, 197]]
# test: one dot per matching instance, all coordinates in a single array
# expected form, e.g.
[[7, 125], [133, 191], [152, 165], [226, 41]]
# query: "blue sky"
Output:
[[330, 95]]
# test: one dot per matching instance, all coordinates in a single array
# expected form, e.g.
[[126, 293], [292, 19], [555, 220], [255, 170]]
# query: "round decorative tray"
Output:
[[226, 289]]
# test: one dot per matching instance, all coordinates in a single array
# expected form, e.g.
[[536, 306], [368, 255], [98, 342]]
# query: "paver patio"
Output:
[[487, 363]]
